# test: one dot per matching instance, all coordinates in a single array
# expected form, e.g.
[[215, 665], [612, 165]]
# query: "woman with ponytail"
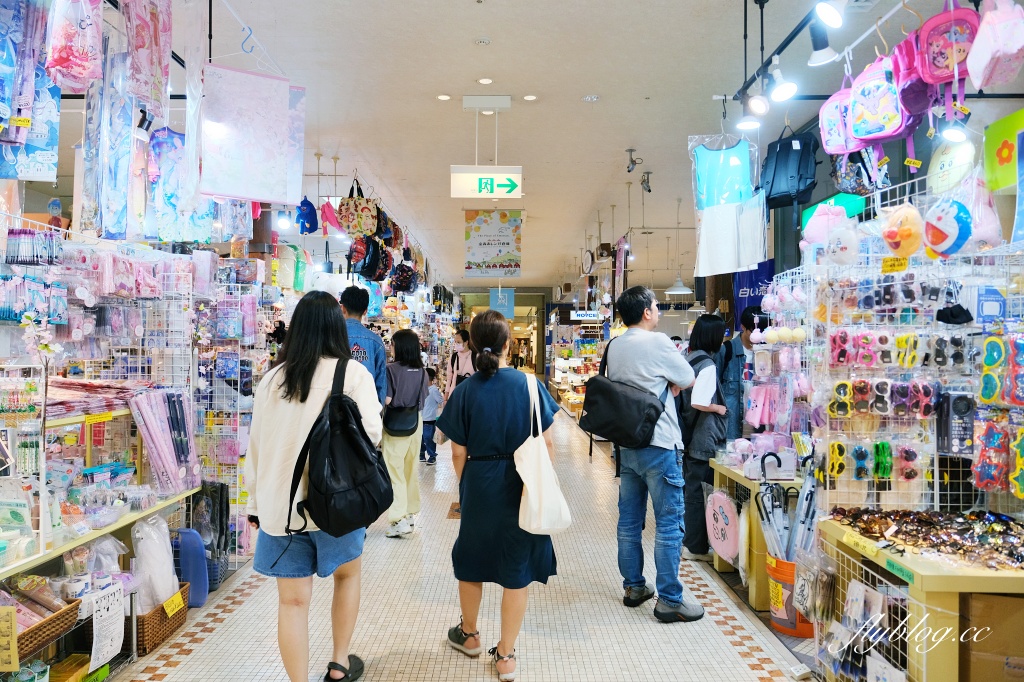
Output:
[[487, 419]]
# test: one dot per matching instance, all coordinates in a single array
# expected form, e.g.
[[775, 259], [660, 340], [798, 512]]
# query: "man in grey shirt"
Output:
[[650, 361]]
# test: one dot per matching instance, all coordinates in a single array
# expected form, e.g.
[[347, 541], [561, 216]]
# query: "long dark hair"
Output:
[[317, 330], [407, 348], [488, 333]]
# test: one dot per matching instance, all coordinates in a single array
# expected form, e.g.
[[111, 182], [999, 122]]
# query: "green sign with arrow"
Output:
[[492, 182]]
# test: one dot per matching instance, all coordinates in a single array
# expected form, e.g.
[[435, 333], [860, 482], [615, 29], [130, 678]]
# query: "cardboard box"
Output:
[[998, 655]]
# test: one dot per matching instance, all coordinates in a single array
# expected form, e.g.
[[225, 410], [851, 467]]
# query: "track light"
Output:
[[782, 89], [955, 131], [632, 161], [831, 12], [282, 220], [822, 54], [645, 182], [757, 103], [749, 121]]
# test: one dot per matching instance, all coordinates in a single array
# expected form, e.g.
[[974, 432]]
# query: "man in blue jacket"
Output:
[[367, 347]]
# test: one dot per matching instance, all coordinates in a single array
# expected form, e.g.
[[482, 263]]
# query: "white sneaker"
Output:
[[690, 556], [411, 518], [398, 529]]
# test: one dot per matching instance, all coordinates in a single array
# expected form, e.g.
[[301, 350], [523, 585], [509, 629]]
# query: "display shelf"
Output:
[[86, 418], [126, 520]]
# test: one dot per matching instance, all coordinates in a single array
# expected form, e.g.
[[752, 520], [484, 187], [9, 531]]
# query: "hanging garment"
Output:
[[731, 237], [723, 175], [116, 147], [753, 233], [163, 218]]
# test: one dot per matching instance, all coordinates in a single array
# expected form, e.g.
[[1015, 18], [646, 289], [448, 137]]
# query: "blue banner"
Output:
[[504, 301], [749, 287]]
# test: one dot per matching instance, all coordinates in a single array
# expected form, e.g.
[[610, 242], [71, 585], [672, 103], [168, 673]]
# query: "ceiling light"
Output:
[[679, 288], [487, 112], [748, 122], [758, 104], [632, 161], [822, 54], [282, 221], [529, 98], [831, 12], [444, 98], [590, 98], [782, 89], [483, 40], [645, 182], [484, 81], [954, 133]]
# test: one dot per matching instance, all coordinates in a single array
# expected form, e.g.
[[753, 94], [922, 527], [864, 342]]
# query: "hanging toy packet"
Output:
[[74, 44]]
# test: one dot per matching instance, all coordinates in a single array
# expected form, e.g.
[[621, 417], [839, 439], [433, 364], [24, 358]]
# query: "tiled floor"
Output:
[[576, 627]]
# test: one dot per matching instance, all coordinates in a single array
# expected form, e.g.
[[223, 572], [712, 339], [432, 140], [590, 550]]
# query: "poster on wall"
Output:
[[493, 243], [245, 133], [748, 288], [1018, 221], [296, 141], [1001, 152], [36, 160]]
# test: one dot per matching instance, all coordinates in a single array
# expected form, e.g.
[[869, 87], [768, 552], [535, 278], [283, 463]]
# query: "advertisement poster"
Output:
[[1018, 221], [504, 301], [245, 131], [8, 639], [749, 287], [1001, 152], [107, 625], [493, 243], [36, 160]]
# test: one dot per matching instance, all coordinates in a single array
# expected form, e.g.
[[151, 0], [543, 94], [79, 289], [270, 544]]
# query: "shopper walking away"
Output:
[[487, 419], [288, 402], [702, 417], [367, 347], [648, 360], [522, 354], [737, 357], [431, 409], [408, 387], [462, 364]]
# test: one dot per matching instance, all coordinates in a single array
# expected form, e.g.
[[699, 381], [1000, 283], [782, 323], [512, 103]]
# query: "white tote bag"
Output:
[[543, 509]]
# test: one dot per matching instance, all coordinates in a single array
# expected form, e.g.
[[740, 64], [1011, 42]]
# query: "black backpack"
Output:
[[349, 487], [688, 416], [787, 174]]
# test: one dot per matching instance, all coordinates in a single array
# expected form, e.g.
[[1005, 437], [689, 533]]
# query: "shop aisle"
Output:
[[576, 627]]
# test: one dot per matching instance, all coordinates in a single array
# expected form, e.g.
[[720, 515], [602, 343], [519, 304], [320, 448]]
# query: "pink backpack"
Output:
[[877, 113], [944, 42], [997, 54], [916, 96], [834, 125]]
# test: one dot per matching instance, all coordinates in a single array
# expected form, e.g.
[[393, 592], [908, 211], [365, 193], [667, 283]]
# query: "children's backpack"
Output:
[[858, 172], [997, 54], [944, 42], [916, 96], [364, 256], [787, 174], [402, 280], [833, 124], [876, 111]]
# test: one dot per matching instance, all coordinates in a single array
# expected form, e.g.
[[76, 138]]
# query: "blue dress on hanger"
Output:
[[723, 175]]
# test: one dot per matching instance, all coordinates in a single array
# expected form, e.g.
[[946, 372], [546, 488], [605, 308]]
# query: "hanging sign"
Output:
[[586, 316], [1001, 151], [492, 182], [750, 287], [493, 243], [504, 301]]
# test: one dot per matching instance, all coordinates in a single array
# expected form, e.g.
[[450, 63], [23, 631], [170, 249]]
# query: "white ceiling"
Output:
[[373, 69]]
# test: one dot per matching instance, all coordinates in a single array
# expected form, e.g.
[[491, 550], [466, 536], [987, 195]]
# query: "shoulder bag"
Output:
[[618, 412], [542, 509], [403, 421]]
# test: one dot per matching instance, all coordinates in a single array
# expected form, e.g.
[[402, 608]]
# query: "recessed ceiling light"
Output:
[[488, 112], [590, 98], [485, 81], [483, 40], [493, 199], [444, 98], [529, 98]]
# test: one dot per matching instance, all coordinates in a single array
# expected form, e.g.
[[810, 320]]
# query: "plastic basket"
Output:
[[155, 627], [50, 630]]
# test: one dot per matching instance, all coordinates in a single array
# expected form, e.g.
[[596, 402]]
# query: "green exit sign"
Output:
[[491, 182]]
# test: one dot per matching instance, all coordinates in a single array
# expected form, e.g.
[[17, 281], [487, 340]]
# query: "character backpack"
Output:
[[876, 113], [944, 42], [997, 54]]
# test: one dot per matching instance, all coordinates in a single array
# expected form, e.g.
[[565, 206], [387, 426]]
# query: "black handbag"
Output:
[[402, 421], [618, 412]]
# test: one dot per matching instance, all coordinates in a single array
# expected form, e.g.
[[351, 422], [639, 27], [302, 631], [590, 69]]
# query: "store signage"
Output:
[[894, 264], [586, 316], [899, 571], [1001, 151], [174, 604], [504, 301], [491, 182], [749, 287]]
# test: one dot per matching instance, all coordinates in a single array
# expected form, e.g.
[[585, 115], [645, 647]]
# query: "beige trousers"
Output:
[[401, 454]]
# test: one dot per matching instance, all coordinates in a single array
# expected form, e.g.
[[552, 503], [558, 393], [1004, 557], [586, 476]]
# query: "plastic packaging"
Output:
[[36, 588], [105, 553], [154, 563]]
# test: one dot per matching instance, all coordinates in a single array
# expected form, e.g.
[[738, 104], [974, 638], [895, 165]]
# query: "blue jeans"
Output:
[[427, 447], [659, 472]]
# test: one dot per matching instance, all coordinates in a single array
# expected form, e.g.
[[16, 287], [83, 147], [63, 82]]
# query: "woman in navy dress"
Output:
[[487, 418]]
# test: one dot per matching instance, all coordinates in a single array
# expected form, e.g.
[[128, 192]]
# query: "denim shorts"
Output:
[[309, 553]]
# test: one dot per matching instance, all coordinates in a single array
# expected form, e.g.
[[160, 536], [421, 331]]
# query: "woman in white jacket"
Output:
[[288, 401]]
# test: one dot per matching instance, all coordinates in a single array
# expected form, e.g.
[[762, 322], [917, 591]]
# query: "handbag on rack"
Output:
[[357, 215], [618, 412], [542, 509]]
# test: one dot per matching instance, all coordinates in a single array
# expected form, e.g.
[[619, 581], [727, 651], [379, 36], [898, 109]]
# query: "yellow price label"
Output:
[[775, 597], [174, 604], [913, 163], [931, 132], [771, 561], [860, 543], [962, 109], [99, 418], [884, 161], [894, 264], [21, 122]]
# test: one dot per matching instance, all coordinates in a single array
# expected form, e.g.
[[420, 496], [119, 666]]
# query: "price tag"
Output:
[[21, 122], [775, 597], [884, 161], [771, 561], [894, 264], [174, 604], [98, 418], [956, 105], [899, 571], [860, 543], [81, 528], [913, 163], [931, 132]]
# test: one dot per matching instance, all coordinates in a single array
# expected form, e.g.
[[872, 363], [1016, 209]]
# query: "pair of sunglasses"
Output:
[[840, 348], [862, 465], [862, 396], [882, 403], [836, 459], [883, 460], [841, 406]]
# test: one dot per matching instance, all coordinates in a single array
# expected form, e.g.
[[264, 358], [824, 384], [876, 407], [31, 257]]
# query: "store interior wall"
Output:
[[524, 298]]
